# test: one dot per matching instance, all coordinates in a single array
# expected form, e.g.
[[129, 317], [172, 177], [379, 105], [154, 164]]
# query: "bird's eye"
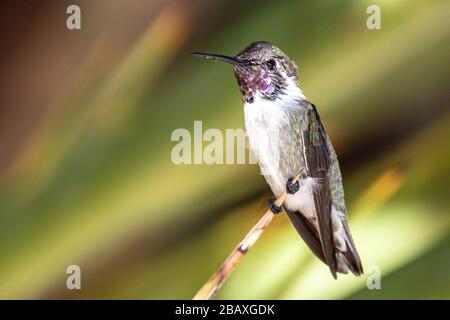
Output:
[[270, 64]]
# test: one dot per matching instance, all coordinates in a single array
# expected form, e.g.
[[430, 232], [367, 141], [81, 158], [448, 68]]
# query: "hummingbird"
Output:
[[287, 137]]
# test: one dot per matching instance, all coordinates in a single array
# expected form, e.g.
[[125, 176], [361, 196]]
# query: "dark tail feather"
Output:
[[305, 230], [351, 255], [350, 258]]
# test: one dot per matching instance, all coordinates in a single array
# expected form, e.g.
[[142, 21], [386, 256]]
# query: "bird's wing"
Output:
[[317, 166], [307, 232], [337, 194]]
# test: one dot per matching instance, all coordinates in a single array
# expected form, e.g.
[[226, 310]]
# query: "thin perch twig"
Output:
[[212, 286]]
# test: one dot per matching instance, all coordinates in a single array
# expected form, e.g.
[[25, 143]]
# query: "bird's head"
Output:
[[260, 69]]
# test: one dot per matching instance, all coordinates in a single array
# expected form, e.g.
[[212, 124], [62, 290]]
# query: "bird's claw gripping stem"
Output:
[[273, 207], [292, 188]]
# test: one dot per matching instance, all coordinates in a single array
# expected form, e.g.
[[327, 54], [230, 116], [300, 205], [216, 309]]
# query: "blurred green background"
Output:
[[86, 119]]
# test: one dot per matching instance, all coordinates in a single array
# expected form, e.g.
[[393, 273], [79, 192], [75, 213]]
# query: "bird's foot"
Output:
[[292, 188], [273, 207]]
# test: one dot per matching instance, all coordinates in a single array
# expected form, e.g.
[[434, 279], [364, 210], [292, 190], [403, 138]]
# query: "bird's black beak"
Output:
[[218, 57]]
